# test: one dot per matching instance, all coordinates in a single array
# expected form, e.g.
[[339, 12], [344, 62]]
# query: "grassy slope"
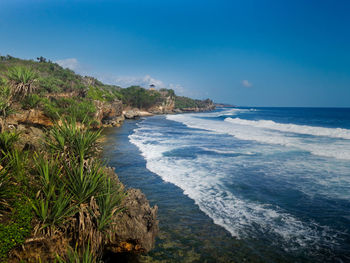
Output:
[[54, 80]]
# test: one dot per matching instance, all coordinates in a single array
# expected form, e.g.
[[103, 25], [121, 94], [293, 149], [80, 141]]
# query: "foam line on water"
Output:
[[236, 215], [300, 129], [339, 149]]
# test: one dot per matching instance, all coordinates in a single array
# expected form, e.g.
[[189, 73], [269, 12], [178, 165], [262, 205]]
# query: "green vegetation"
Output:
[[15, 212], [19, 227], [22, 80], [5, 99], [73, 256], [62, 191], [57, 191], [7, 141], [139, 97], [184, 102]]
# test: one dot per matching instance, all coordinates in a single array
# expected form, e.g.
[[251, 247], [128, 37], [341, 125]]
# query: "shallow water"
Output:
[[242, 185]]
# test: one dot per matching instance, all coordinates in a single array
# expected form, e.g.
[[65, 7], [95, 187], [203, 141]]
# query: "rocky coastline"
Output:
[[135, 228], [36, 110]]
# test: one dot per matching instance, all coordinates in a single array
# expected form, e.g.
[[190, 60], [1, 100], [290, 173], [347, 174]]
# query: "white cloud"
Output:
[[71, 63], [246, 83], [146, 81], [179, 90]]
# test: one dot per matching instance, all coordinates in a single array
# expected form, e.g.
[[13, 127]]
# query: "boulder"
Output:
[[136, 227], [131, 114]]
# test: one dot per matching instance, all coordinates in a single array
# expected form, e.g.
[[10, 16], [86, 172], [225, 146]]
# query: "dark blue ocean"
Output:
[[242, 184]]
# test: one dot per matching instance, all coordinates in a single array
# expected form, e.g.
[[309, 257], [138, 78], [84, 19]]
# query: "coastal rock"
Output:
[[167, 106], [30, 117], [136, 227], [30, 138], [109, 114], [131, 114]]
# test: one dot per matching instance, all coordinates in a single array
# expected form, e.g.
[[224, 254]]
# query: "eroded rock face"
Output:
[[166, 107], [31, 117], [109, 113], [136, 227], [31, 138]]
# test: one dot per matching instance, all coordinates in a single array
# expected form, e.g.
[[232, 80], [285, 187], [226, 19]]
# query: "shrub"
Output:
[[73, 256], [82, 111], [84, 180], [7, 141], [73, 141], [14, 233], [52, 204], [108, 201], [22, 80], [31, 101], [50, 109], [51, 84], [4, 185]]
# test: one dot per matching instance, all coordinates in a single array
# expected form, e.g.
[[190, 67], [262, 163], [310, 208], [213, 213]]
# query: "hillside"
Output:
[[57, 91]]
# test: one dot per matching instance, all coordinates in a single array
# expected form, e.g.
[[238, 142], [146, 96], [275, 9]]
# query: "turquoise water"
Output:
[[242, 185]]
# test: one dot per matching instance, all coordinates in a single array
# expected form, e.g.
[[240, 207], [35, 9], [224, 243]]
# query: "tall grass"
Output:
[[7, 141]]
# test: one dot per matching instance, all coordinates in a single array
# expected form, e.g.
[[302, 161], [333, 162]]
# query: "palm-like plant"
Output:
[[76, 256], [84, 180], [22, 80], [73, 141], [52, 204], [109, 203]]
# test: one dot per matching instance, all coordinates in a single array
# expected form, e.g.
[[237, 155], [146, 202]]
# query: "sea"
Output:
[[242, 184]]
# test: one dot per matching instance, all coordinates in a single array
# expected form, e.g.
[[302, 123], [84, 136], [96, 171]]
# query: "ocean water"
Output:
[[242, 184]]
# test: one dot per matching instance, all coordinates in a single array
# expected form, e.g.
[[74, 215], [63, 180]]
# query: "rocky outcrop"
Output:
[[109, 113], [136, 228], [31, 117], [134, 231], [31, 138], [167, 106], [131, 113]]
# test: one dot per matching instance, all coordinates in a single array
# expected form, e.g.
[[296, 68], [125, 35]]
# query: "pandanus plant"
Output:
[[22, 80]]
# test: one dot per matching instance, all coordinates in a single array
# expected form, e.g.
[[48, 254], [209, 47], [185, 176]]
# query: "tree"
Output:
[[41, 59]]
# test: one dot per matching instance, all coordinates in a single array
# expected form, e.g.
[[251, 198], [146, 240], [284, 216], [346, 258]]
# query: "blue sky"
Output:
[[248, 53]]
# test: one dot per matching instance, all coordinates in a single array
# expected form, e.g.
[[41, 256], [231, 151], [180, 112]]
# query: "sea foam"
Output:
[[339, 149], [300, 129], [202, 181]]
